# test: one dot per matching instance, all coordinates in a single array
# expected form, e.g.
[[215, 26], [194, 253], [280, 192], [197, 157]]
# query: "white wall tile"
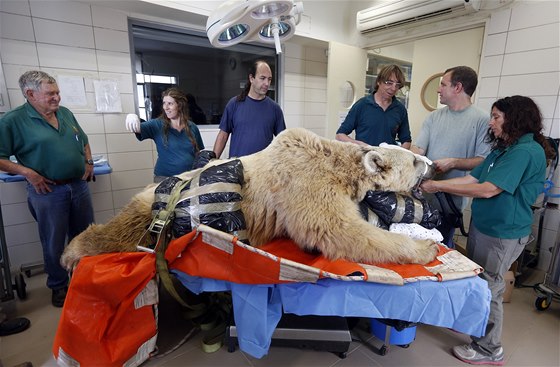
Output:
[[131, 179], [16, 27], [293, 121], [64, 11], [557, 108], [495, 44], [320, 132], [15, 7], [109, 18], [528, 62], [499, 21], [28, 253], [294, 50], [91, 123], [315, 108], [547, 126], [127, 102], [294, 80], [97, 143], [114, 123], [488, 87], [122, 197], [103, 217], [124, 81], [116, 62], [17, 213], [131, 160], [87, 76], [315, 95], [66, 34], [13, 192], [530, 13], [296, 66], [90, 104], [16, 98], [102, 201], [315, 122], [315, 68], [66, 57], [120, 143], [316, 54], [208, 137], [314, 81], [485, 103], [530, 84], [18, 52], [21, 233], [555, 131], [534, 38], [491, 66], [111, 40], [102, 182], [12, 72], [294, 93], [546, 105], [294, 107]]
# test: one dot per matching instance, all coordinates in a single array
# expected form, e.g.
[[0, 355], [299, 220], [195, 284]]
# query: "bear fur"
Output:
[[303, 187]]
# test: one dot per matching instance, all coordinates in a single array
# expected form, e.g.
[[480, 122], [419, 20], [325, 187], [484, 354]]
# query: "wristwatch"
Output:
[[89, 161]]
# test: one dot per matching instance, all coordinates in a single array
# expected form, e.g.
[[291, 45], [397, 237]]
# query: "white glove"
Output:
[[132, 123]]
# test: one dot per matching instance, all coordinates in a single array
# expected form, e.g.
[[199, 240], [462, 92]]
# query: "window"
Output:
[[165, 56]]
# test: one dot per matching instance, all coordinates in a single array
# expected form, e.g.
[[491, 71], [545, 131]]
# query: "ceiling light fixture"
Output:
[[268, 21]]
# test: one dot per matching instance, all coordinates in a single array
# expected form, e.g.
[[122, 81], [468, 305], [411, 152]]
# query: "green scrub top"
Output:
[[519, 171]]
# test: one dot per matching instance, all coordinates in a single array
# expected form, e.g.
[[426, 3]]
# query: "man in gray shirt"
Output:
[[453, 136]]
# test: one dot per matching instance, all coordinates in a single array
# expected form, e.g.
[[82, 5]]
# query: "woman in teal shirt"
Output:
[[177, 138], [504, 187]]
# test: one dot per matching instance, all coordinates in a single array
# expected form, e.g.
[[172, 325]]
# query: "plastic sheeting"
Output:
[[462, 305], [213, 197], [391, 207]]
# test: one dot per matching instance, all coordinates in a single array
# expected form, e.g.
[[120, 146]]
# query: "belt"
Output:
[[65, 181]]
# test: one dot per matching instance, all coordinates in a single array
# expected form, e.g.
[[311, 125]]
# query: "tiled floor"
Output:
[[530, 338]]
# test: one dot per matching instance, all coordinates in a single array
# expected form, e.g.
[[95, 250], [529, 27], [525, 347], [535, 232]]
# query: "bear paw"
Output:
[[426, 251]]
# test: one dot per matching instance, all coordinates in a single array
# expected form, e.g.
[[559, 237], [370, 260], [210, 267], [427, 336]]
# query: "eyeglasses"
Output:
[[391, 83]]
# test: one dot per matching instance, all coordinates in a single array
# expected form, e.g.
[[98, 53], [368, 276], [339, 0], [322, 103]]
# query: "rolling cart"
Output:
[[550, 288]]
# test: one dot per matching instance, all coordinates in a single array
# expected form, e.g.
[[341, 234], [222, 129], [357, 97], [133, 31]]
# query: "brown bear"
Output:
[[303, 187]]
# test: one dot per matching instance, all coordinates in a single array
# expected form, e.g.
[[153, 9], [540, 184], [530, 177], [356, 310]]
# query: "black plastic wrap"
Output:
[[391, 207], [212, 198], [202, 158], [370, 216]]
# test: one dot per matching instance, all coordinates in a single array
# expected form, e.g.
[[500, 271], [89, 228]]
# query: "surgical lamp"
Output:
[[268, 21]]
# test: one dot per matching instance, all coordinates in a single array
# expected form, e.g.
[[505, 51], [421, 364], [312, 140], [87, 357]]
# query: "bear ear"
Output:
[[373, 161]]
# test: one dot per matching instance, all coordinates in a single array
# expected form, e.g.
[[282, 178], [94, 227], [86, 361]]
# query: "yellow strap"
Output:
[[209, 317]]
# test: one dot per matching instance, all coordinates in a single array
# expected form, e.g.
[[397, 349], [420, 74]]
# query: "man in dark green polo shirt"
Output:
[[54, 156]]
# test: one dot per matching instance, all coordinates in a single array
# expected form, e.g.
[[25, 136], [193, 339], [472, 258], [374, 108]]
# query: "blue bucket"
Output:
[[403, 337]]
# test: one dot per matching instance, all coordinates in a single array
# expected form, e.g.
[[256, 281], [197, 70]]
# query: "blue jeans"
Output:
[[495, 255], [61, 215]]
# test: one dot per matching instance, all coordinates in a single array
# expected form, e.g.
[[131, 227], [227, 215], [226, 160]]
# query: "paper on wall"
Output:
[[107, 96]]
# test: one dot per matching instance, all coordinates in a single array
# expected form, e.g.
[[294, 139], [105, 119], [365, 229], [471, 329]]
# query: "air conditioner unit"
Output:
[[392, 13]]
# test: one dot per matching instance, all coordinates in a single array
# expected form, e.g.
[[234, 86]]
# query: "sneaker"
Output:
[[58, 296], [468, 354]]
